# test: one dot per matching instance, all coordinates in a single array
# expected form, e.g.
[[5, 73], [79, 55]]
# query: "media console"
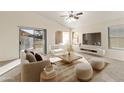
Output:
[[91, 50]]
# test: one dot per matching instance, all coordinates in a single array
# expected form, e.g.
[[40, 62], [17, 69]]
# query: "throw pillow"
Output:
[[38, 57], [32, 52], [30, 57]]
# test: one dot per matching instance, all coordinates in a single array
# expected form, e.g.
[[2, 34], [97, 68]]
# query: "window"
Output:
[[75, 38], [116, 37]]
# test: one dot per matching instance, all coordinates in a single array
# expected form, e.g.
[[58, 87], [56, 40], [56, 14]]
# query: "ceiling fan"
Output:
[[72, 15]]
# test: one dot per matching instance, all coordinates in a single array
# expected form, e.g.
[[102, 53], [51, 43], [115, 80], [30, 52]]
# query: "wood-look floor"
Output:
[[65, 72], [113, 72]]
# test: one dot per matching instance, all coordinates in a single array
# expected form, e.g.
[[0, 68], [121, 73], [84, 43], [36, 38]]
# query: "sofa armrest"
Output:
[[30, 72]]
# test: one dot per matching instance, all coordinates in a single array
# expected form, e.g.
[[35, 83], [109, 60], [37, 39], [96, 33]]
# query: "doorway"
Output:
[[32, 39], [62, 37]]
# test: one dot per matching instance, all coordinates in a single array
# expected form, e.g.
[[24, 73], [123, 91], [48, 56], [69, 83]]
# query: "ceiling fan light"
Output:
[[72, 19], [80, 13], [68, 20]]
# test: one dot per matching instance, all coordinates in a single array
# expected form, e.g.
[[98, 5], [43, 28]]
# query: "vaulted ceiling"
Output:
[[88, 17]]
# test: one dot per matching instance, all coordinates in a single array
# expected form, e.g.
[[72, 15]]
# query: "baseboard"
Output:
[[9, 66]]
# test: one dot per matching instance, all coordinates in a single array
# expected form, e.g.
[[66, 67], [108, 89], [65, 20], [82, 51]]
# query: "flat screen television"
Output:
[[92, 39]]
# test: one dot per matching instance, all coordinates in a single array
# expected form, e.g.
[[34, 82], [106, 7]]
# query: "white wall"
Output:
[[103, 28], [9, 31]]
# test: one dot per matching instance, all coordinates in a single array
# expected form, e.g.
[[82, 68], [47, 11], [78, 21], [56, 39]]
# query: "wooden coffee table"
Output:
[[70, 58]]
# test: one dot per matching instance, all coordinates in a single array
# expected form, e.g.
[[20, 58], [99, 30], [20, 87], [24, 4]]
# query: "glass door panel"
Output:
[[32, 39]]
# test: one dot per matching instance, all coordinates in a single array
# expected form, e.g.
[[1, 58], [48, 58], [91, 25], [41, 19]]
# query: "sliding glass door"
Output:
[[32, 39], [40, 40]]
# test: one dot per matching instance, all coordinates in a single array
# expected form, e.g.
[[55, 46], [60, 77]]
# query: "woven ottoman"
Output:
[[84, 71], [97, 63]]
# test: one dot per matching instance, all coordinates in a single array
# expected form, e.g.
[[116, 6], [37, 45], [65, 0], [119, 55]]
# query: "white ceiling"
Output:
[[88, 17]]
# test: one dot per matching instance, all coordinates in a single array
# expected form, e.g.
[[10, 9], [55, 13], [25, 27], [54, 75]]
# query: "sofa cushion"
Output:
[[38, 57], [30, 57]]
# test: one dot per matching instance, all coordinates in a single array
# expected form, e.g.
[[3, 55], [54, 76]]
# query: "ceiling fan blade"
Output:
[[75, 17], [79, 13]]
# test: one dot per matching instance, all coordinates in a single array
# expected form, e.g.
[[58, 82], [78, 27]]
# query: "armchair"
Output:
[[30, 72]]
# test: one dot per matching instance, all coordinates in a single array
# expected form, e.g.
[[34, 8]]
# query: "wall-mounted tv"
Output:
[[92, 39]]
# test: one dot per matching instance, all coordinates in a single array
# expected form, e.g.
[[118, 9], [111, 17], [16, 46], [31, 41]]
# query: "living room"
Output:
[[88, 34], [61, 46]]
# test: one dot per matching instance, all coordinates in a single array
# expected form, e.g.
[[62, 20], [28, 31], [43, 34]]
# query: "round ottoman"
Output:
[[84, 71], [97, 64]]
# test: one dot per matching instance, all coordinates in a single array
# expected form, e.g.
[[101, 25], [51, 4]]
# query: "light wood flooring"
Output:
[[113, 72]]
